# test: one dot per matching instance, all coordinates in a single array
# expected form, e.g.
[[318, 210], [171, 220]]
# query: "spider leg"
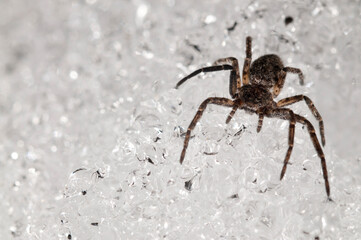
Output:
[[281, 79], [260, 121], [279, 84], [234, 79], [318, 149], [287, 114], [247, 62], [212, 100], [205, 69], [297, 71], [234, 109], [290, 100]]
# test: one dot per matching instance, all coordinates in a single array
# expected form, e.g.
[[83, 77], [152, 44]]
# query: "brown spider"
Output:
[[254, 96]]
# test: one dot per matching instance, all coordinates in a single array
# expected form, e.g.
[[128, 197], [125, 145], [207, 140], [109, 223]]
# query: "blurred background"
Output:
[[92, 127]]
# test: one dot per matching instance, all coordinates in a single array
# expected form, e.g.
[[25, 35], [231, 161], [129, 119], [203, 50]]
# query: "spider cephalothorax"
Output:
[[253, 93]]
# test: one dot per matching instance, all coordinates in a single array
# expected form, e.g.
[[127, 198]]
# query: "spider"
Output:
[[261, 82]]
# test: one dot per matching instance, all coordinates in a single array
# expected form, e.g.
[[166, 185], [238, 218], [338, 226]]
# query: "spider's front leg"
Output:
[[260, 121], [290, 100], [260, 112], [237, 104], [234, 78], [205, 69], [316, 144], [213, 100], [286, 114]]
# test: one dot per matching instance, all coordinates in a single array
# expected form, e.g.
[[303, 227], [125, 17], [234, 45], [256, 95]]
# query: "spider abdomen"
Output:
[[255, 96], [264, 70]]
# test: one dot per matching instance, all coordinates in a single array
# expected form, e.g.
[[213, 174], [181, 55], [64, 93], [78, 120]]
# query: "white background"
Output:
[[88, 86]]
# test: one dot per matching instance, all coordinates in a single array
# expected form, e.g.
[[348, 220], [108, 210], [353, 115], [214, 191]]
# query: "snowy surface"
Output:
[[91, 125]]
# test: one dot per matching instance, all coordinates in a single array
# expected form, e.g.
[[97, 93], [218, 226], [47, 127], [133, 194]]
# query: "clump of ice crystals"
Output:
[[92, 128]]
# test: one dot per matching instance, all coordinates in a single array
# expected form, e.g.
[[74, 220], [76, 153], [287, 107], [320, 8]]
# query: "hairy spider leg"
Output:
[[260, 121], [205, 69], [234, 78], [282, 77], [231, 114], [296, 71], [247, 62], [318, 149], [237, 105], [213, 100], [277, 88], [286, 114], [290, 100]]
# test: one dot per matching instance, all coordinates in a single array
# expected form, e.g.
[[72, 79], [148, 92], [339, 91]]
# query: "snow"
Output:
[[92, 127]]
